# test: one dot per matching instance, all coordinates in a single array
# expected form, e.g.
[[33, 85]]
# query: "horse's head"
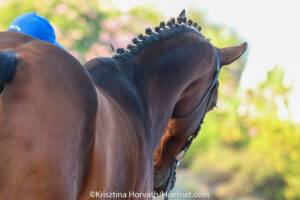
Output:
[[194, 101]]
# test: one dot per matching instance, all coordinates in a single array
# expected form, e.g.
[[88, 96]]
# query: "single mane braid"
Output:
[[163, 31]]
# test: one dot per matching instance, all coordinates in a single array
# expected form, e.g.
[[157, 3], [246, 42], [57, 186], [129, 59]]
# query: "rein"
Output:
[[168, 186]]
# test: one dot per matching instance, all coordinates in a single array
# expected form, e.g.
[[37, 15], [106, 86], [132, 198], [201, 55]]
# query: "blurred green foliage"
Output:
[[245, 148], [79, 21]]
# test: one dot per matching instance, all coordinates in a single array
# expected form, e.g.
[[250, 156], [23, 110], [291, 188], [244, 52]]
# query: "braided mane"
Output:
[[163, 31]]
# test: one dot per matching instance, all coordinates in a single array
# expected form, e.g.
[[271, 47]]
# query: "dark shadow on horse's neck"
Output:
[[162, 71]]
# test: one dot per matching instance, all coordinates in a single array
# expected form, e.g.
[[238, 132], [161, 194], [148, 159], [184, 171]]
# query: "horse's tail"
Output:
[[8, 63]]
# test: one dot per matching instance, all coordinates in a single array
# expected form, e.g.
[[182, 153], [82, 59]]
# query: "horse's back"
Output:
[[47, 114]]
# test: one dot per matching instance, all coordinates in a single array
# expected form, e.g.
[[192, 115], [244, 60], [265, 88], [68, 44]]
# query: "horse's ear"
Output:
[[182, 14], [230, 54]]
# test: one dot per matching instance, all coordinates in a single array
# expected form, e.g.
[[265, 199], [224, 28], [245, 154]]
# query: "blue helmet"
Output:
[[35, 26]]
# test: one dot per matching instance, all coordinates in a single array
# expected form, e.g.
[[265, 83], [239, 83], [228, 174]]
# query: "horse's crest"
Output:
[[164, 30]]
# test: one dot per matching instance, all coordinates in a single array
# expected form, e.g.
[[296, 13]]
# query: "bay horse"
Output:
[[151, 99], [48, 107]]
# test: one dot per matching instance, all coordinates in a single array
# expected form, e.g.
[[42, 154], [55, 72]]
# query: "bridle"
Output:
[[169, 184], [208, 94]]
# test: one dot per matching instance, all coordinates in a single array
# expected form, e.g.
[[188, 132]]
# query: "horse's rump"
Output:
[[47, 114]]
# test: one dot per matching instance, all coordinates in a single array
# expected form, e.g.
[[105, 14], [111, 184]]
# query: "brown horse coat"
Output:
[[121, 157], [47, 114]]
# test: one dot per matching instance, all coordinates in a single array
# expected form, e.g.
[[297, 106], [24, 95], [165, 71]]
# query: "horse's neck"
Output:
[[118, 100]]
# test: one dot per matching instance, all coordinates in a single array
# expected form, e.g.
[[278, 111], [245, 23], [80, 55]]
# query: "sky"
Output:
[[271, 29]]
